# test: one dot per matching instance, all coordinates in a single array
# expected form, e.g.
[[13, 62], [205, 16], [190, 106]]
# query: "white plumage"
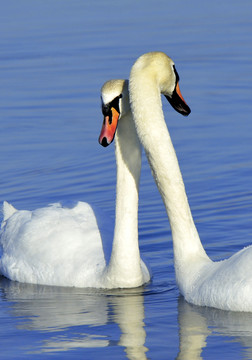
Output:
[[225, 284], [31, 250], [75, 247]]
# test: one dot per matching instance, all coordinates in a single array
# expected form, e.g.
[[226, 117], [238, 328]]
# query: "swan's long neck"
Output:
[[124, 266], [153, 133]]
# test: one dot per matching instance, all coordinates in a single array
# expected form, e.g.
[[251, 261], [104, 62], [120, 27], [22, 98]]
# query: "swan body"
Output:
[[225, 284], [66, 246]]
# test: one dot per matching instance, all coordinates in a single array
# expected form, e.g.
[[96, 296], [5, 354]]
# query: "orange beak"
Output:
[[179, 93], [109, 127], [178, 102]]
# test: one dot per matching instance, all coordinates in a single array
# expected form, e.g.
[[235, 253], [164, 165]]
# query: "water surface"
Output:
[[54, 58]]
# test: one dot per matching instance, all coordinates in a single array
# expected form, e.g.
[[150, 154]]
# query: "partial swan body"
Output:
[[65, 246], [225, 284]]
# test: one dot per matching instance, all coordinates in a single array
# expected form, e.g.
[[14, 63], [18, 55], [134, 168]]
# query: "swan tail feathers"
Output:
[[8, 210]]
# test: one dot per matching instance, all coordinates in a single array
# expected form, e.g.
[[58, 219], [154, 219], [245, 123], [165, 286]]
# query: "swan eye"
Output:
[[106, 109]]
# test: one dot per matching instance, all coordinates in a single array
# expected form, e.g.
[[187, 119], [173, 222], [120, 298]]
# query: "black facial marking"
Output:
[[106, 108], [176, 74], [176, 102]]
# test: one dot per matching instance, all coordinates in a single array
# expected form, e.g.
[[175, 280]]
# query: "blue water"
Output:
[[55, 56]]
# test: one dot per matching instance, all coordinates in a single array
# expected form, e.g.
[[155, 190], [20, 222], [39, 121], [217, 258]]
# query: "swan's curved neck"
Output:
[[124, 266], [153, 133]]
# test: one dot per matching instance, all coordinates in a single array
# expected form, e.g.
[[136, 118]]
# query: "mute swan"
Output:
[[224, 284], [62, 246]]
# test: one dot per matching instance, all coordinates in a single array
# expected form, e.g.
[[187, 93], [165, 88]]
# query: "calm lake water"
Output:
[[55, 56]]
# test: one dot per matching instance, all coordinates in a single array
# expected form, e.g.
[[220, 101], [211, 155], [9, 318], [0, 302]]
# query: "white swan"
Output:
[[225, 284], [62, 246]]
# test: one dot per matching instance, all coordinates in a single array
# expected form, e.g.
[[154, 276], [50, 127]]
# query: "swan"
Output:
[[63, 246], [223, 284]]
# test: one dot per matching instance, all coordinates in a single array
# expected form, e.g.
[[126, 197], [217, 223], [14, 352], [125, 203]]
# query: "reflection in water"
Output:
[[197, 323], [193, 332], [54, 309], [129, 315]]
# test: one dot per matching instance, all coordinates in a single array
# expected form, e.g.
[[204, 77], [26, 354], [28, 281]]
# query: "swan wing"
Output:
[[53, 246]]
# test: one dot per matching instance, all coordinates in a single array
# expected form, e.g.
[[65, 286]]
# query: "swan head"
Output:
[[159, 68], [115, 104]]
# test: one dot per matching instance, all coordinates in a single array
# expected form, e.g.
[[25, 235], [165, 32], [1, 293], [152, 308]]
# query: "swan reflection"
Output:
[[197, 323], [74, 317]]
